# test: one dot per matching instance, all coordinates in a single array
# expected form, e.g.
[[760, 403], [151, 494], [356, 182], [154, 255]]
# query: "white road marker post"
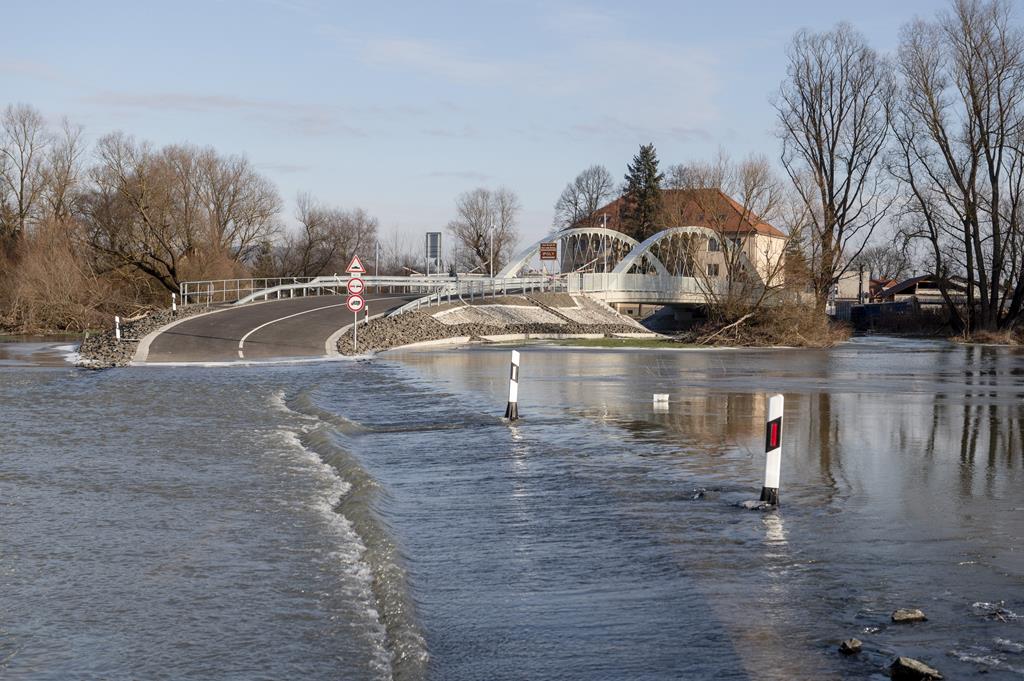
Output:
[[117, 327], [773, 451], [174, 303], [660, 401], [512, 410]]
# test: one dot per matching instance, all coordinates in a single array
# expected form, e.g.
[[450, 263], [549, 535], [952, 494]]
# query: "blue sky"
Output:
[[399, 107]]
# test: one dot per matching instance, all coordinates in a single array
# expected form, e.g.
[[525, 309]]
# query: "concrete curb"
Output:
[[331, 344], [504, 337], [564, 336], [455, 340]]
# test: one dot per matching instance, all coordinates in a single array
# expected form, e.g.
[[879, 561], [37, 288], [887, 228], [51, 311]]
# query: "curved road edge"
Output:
[[142, 351]]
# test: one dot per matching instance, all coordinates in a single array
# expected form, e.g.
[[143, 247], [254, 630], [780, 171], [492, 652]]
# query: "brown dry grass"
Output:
[[1013, 338], [47, 285], [792, 325]]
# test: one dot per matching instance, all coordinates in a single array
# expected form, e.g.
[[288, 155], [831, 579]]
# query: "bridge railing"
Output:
[[667, 286], [438, 289], [241, 291], [469, 290], [211, 291]]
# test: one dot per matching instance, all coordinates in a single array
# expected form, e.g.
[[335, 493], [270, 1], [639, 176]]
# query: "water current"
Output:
[[378, 519]]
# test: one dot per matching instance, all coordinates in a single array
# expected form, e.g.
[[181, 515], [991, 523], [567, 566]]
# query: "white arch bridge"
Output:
[[604, 263]]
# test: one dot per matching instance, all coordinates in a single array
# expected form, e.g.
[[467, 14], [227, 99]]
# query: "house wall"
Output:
[[768, 254]]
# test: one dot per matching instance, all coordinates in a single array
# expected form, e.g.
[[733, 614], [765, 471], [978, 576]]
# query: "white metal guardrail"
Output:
[[241, 291], [471, 289], [610, 286]]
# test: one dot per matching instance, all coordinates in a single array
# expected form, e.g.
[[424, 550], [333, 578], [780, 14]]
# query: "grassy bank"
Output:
[[655, 343]]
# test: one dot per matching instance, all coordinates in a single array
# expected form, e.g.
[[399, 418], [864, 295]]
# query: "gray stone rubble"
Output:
[[421, 326], [103, 350]]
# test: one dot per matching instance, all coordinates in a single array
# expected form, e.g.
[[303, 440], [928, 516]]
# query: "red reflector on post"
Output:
[[773, 435]]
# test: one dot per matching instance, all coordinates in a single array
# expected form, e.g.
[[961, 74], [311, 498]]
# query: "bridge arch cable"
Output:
[[681, 250], [591, 249]]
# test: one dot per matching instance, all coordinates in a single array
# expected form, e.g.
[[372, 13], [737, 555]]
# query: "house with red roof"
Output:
[[762, 243]]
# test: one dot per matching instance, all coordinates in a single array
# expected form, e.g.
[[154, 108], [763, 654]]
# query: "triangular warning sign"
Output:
[[356, 266]]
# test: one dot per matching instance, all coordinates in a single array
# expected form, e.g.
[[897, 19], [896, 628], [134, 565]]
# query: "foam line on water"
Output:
[[351, 550], [378, 553]]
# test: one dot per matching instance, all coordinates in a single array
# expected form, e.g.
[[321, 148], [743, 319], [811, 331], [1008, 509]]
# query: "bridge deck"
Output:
[[279, 329]]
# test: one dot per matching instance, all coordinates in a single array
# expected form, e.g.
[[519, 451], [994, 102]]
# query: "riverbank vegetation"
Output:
[[881, 156]]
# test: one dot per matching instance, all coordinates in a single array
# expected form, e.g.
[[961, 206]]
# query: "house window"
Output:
[[713, 245], [713, 269]]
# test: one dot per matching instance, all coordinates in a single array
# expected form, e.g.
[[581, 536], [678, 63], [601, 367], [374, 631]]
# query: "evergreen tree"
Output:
[[640, 214]]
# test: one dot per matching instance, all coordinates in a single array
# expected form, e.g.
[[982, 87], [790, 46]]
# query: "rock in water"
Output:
[[904, 615], [850, 646], [909, 669]]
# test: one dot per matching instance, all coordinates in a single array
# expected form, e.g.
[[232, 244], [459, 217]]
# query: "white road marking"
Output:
[[241, 342]]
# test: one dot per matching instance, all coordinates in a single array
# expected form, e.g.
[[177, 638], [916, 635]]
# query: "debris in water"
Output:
[[995, 611], [905, 615], [909, 669], [850, 646]]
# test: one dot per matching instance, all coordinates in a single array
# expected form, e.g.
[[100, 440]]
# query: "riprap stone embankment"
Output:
[[547, 313], [103, 350]]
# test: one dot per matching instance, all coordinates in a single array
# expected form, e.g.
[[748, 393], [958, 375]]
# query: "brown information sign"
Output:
[[549, 250]]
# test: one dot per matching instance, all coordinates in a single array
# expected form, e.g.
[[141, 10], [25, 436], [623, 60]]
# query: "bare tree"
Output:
[[885, 261], [398, 254], [175, 212], [62, 169], [23, 142], [578, 204], [327, 238], [834, 109], [960, 156], [241, 206], [485, 224], [742, 267]]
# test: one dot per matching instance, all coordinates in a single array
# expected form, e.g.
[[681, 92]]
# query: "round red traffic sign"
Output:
[[355, 303], [356, 286]]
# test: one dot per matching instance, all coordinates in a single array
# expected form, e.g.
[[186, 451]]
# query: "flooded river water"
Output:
[[376, 520]]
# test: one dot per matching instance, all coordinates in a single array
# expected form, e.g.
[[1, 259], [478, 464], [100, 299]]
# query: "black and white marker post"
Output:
[[773, 451], [117, 328], [512, 410], [174, 303]]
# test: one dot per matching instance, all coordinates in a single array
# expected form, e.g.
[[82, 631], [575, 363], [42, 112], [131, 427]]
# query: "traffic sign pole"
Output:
[[355, 301]]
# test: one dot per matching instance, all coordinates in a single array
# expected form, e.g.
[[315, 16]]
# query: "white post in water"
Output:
[[355, 333], [512, 410], [773, 451], [117, 327], [174, 303]]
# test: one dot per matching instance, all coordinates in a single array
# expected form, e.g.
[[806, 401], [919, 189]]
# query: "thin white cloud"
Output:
[[465, 132], [421, 55], [285, 168], [29, 69], [667, 88], [306, 119], [472, 175]]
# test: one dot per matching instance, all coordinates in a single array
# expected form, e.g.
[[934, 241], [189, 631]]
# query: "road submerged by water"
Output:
[[373, 520]]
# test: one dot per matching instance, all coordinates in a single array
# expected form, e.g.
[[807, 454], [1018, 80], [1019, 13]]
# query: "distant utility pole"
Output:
[[490, 258]]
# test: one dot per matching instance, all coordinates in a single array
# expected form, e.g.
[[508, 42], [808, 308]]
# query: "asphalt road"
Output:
[[278, 329]]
